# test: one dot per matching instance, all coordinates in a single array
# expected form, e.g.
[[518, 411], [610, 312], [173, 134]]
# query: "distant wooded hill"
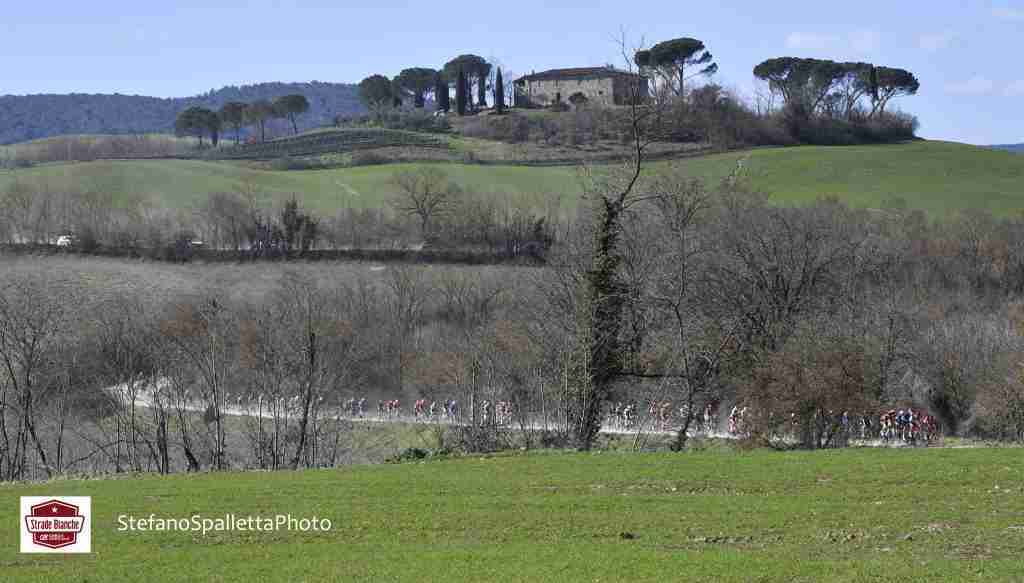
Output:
[[30, 117], [1018, 148]]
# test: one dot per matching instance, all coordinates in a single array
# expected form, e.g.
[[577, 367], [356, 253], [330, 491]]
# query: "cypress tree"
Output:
[[481, 89], [441, 94], [460, 93], [499, 92]]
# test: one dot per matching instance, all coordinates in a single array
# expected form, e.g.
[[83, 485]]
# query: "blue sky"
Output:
[[966, 54]]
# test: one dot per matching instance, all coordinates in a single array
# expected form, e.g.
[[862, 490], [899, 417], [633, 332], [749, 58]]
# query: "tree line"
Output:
[[822, 101], [465, 74], [821, 87], [426, 207], [203, 122], [803, 100]]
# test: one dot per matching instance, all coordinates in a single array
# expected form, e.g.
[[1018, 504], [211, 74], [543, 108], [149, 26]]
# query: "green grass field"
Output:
[[853, 515], [938, 177], [186, 183]]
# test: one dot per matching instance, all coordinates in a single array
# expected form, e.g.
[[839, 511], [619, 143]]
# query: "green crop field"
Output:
[[844, 515], [938, 177]]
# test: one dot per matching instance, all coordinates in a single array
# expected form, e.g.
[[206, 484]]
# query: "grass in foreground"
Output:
[[850, 515], [938, 177]]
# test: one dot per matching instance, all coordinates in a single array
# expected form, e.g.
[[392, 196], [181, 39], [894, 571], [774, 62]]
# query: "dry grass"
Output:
[[99, 279]]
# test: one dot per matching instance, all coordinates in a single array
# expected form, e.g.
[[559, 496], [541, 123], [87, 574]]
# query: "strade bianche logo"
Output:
[[56, 524]]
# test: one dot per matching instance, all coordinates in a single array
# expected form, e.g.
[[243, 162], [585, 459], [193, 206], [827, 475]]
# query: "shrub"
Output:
[[416, 120], [286, 163], [413, 454], [506, 128], [409, 454], [367, 158]]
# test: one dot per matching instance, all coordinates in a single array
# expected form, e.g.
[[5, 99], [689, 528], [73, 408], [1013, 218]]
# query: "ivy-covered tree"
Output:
[[290, 107], [233, 114], [671, 60]]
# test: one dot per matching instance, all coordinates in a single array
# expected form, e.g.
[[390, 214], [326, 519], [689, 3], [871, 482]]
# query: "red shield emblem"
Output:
[[54, 524]]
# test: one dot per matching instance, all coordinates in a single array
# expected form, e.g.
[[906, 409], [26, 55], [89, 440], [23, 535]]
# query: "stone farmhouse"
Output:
[[600, 85]]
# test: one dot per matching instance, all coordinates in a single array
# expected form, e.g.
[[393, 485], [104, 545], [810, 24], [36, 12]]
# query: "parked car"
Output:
[[65, 240]]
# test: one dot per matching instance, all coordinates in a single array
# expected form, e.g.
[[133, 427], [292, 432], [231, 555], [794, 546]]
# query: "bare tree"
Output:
[[321, 345], [204, 334], [959, 355], [409, 291], [689, 344], [32, 320], [125, 346], [426, 193], [262, 355], [1001, 403], [227, 216]]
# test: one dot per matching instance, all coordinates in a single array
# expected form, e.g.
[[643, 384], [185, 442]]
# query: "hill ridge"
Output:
[[30, 117], [1018, 148]]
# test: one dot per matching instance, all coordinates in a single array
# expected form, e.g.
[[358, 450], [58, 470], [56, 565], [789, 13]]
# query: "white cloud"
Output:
[[976, 85], [1015, 89], [935, 42], [860, 41], [1009, 13]]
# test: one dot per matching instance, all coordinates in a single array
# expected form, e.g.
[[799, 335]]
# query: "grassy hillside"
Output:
[[853, 515], [938, 177], [185, 183]]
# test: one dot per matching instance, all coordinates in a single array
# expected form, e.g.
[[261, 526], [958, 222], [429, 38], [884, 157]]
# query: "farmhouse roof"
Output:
[[576, 73]]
